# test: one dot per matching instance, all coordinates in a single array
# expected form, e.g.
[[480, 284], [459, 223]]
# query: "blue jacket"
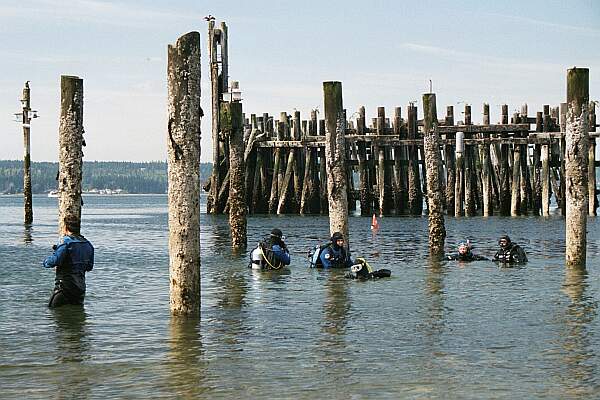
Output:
[[281, 254], [335, 257], [73, 257]]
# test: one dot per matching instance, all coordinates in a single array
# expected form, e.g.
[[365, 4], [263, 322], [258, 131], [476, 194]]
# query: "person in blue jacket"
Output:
[[271, 253], [335, 254], [73, 257]]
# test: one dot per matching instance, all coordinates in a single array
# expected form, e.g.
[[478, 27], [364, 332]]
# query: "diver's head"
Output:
[[337, 239], [463, 248], [277, 236], [504, 241]]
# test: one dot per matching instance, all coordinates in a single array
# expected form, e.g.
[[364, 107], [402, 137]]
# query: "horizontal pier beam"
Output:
[[389, 140]]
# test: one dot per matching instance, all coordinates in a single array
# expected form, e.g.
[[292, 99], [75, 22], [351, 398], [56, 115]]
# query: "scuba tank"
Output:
[[314, 255], [263, 258]]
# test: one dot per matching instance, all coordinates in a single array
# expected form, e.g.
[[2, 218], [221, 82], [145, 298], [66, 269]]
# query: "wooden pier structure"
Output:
[[512, 167], [509, 168]]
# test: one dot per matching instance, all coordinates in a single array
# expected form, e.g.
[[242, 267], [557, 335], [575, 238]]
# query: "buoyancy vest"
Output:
[[264, 256], [337, 257]]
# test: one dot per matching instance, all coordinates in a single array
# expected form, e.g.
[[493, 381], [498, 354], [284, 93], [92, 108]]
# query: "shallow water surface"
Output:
[[433, 330]]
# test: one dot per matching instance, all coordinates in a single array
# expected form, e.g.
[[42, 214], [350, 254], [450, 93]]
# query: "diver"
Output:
[[465, 253], [509, 252], [73, 257], [271, 253], [335, 255], [362, 270]]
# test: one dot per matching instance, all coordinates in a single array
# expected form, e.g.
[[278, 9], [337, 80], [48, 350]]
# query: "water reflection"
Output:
[[231, 290], [27, 234], [186, 376], [336, 307], [435, 296], [576, 338], [218, 238], [73, 349]]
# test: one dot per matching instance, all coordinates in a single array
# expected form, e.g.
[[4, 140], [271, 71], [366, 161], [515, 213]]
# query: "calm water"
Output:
[[431, 331]]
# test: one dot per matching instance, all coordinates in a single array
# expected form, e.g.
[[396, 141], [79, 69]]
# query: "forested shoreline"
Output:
[[129, 177]]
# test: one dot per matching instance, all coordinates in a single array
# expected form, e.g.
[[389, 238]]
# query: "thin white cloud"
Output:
[[551, 25], [98, 12], [483, 60]]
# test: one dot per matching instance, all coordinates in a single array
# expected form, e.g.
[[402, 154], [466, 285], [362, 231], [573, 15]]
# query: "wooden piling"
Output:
[[323, 186], [576, 165], [431, 140], [562, 158], [486, 181], [363, 168], [459, 189], [297, 168], [469, 170], [399, 188], [216, 179], [70, 157], [381, 189], [516, 181], [592, 199], [335, 150], [449, 156], [232, 128], [525, 177], [505, 189], [274, 197], [183, 143], [536, 170], [415, 194], [26, 114]]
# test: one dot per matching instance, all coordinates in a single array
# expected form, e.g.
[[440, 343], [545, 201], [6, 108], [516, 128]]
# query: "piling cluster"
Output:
[[512, 167]]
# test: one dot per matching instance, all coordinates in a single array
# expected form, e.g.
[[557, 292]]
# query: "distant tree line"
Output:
[[131, 177]]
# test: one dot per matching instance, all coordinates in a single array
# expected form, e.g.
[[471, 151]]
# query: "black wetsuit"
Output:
[[513, 253]]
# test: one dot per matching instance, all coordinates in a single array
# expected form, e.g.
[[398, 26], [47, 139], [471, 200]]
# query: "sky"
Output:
[[383, 52]]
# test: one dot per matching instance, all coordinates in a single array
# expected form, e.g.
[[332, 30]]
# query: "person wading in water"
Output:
[[73, 257]]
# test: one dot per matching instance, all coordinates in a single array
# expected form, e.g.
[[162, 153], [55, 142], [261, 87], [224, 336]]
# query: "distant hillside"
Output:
[[131, 177]]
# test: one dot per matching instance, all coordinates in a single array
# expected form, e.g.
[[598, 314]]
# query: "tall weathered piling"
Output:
[[459, 183], [504, 169], [516, 177], [381, 170], [335, 154], [217, 44], [232, 128], [415, 194], [449, 157], [323, 186], [536, 176], [70, 142], [183, 145], [576, 165], [399, 187], [469, 170], [486, 180], [26, 100], [545, 179], [363, 169], [592, 199], [431, 145]]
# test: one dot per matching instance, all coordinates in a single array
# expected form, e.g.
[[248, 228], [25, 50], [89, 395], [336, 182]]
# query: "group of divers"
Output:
[[73, 256], [272, 254]]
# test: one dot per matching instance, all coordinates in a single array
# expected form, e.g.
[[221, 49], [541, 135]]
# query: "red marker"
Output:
[[374, 223]]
